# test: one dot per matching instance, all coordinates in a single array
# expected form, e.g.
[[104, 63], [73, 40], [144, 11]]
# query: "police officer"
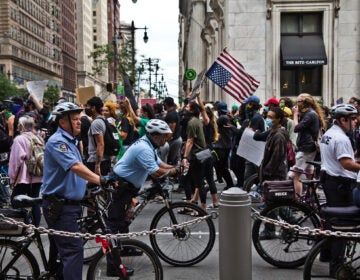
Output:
[[64, 184], [339, 171]]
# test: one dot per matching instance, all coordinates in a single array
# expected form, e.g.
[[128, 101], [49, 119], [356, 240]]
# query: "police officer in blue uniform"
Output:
[[64, 184]]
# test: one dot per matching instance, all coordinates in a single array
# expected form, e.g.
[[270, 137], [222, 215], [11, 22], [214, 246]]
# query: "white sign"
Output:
[[250, 149], [37, 88]]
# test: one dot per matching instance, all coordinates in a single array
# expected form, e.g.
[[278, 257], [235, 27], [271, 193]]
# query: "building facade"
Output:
[[290, 46], [30, 41]]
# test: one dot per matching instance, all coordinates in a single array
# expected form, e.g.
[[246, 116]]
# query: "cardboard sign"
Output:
[[83, 94]]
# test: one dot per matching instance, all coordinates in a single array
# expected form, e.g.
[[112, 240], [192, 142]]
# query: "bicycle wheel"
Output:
[[317, 264], [186, 246], [251, 183], [146, 266], [285, 248], [23, 267]]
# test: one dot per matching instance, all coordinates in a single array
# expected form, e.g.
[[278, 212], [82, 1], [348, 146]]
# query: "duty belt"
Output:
[[61, 200]]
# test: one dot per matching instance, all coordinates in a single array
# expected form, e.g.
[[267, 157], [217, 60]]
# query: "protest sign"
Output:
[[250, 149]]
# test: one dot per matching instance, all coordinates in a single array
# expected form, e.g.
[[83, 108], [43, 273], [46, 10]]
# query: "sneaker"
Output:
[[267, 235], [112, 272], [212, 206]]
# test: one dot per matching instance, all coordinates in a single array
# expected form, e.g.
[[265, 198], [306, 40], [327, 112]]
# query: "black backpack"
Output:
[[111, 140], [5, 140]]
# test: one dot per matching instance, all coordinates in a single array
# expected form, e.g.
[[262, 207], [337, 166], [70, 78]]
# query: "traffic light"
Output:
[[110, 87]]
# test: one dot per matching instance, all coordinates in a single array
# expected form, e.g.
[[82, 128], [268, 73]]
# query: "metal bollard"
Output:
[[235, 235]]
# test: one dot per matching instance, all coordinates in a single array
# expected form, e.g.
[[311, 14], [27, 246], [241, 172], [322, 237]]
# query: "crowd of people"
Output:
[[155, 141]]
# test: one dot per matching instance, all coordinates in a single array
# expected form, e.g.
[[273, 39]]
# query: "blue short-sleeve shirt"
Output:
[[61, 153], [138, 162]]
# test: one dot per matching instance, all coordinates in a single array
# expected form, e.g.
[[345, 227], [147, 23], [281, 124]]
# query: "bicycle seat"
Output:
[[315, 163], [342, 218], [309, 182], [24, 201]]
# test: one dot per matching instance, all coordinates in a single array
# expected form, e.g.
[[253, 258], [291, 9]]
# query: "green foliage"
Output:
[[52, 94], [7, 88], [103, 57]]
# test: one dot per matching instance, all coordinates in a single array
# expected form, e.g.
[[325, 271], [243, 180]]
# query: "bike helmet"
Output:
[[66, 108], [156, 126], [343, 110]]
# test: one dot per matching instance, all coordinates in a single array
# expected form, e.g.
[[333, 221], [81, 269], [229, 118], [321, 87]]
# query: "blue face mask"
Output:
[[269, 123]]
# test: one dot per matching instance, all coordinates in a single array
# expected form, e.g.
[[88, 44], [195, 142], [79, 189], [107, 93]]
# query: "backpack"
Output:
[[111, 140], [5, 140], [290, 154], [35, 164]]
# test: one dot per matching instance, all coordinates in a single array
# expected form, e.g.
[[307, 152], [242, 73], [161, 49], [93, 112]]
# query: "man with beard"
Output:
[[97, 161]]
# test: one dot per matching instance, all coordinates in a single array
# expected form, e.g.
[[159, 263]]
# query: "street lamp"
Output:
[[132, 29]]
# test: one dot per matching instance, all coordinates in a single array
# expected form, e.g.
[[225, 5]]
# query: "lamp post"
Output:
[[132, 30]]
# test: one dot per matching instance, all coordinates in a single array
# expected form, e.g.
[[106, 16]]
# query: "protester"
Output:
[[21, 180], [308, 120]]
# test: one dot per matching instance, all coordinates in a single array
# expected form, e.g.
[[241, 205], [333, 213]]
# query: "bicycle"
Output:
[[4, 185], [318, 265], [18, 262], [181, 247], [286, 248]]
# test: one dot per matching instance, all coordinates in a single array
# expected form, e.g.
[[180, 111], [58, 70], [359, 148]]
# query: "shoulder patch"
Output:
[[63, 148]]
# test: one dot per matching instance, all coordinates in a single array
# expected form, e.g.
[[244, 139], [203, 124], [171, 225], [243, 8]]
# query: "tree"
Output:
[[7, 88], [52, 94], [103, 56]]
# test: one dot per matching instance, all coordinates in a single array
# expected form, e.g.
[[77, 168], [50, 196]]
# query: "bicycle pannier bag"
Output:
[[9, 229], [275, 190]]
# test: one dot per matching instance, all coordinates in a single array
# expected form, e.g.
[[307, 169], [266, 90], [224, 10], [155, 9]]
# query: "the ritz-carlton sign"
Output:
[[305, 62]]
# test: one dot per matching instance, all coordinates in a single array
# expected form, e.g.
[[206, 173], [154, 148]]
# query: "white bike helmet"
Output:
[[343, 110], [66, 108], [156, 126]]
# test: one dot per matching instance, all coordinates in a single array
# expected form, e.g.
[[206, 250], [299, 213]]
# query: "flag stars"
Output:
[[219, 75]]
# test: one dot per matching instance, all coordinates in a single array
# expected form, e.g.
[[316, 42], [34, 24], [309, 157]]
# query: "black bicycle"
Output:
[[288, 248], [319, 263], [180, 247], [17, 261]]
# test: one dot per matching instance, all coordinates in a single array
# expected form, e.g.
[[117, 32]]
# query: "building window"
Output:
[[302, 54]]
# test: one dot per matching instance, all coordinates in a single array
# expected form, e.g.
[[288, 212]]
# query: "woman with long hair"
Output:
[[308, 120]]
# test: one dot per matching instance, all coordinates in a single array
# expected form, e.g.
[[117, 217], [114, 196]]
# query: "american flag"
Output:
[[230, 75]]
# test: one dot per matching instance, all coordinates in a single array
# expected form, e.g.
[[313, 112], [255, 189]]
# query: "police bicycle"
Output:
[[180, 247], [17, 259]]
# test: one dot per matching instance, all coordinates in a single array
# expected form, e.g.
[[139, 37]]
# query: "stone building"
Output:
[[290, 46], [30, 41]]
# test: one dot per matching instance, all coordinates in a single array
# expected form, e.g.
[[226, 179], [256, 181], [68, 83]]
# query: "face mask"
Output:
[[266, 109], [88, 112], [282, 106], [269, 123], [249, 112]]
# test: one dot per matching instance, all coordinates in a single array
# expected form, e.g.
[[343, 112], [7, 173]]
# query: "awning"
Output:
[[308, 50]]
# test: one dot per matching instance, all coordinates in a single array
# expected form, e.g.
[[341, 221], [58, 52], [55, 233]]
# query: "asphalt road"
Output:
[[208, 269]]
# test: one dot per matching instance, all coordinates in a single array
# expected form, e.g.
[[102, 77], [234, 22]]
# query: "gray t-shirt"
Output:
[[97, 127]]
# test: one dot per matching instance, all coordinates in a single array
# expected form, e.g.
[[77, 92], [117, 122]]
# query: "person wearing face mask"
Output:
[[308, 120], [255, 122], [274, 165], [139, 161]]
